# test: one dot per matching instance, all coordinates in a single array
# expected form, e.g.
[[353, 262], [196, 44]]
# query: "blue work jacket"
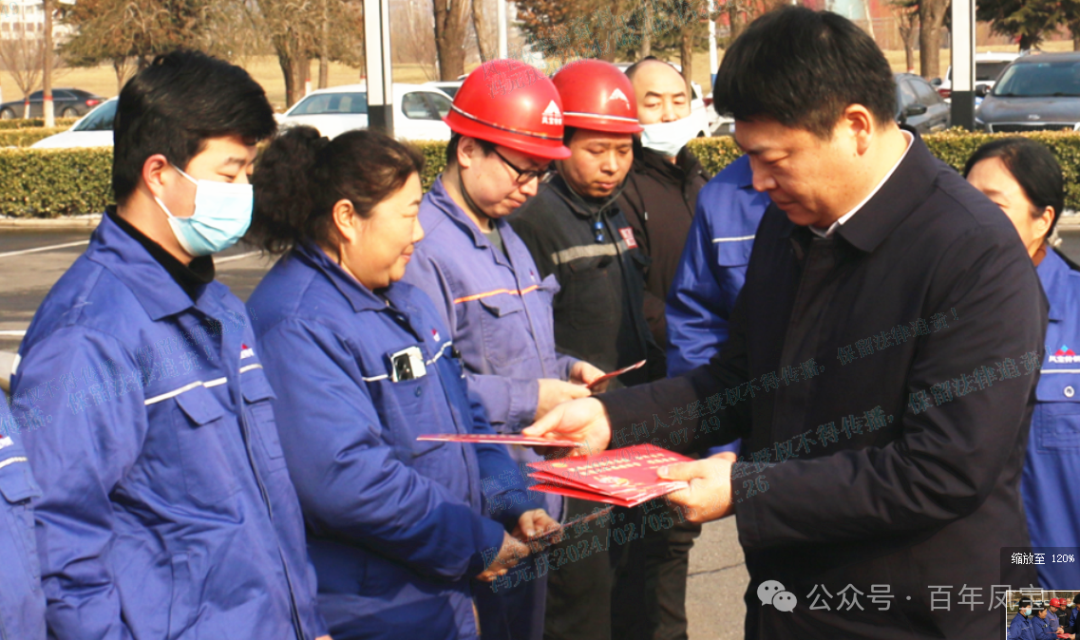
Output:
[[712, 269], [167, 510], [1052, 464], [396, 527], [22, 603], [1021, 628], [499, 312]]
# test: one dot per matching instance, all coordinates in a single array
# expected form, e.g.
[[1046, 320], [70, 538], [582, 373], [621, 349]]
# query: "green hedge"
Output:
[[54, 182], [49, 183], [32, 123], [26, 137]]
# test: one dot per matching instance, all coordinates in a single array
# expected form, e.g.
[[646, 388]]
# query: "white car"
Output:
[[988, 66], [95, 129], [418, 111]]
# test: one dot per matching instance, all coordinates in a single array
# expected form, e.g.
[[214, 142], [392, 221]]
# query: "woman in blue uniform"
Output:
[[1025, 180], [361, 365], [22, 603]]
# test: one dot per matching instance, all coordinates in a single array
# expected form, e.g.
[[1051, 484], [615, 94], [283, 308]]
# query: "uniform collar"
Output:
[[908, 186], [580, 206], [442, 200], [360, 297], [1053, 273], [149, 280]]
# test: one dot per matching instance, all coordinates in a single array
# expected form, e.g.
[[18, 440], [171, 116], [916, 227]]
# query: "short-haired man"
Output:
[[881, 360], [167, 509]]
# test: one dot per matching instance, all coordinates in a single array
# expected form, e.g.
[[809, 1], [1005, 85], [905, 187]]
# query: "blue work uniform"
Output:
[[1041, 628], [712, 269], [167, 509], [1052, 464], [22, 603], [396, 527], [500, 315], [1021, 628]]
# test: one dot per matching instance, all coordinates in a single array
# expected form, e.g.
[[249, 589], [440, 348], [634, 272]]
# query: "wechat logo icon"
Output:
[[773, 593]]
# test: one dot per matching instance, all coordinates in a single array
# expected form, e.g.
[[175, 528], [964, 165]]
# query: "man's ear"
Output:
[[153, 174], [465, 148], [859, 123]]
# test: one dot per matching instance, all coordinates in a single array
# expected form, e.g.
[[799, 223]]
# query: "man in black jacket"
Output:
[[659, 200], [881, 365], [663, 184], [574, 229]]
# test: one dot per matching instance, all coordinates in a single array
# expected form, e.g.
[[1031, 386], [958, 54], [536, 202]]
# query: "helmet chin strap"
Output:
[[477, 211]]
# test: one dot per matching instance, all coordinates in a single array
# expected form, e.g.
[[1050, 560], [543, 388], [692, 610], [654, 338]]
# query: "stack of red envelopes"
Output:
[[623, 477]]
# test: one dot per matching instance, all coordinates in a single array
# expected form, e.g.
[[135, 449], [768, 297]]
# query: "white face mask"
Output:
[[668, 138], [222, 216]]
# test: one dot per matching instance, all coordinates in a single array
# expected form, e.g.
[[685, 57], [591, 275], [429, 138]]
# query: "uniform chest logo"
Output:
[[628, 236], [246, 352], [6, 441], [1064, 355], [435, 335]]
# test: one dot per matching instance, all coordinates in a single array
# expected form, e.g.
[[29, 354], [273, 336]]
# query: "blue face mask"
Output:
[[222, 216]]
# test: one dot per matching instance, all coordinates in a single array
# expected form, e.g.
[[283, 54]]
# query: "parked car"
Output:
[[698, 110], [67, 103], [988, 66], [95, 129], [418, 111], [450, 88], [1034, 93], [919, 106]]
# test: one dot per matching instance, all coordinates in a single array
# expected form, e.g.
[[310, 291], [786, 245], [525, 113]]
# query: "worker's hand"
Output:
[[584, 421], [510, 553], [584, 373], [709, 495], [555, 392], [534, 523], [324, 638]]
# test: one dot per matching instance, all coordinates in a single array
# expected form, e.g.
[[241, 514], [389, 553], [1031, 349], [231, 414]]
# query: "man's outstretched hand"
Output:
[[584, 421], [709, 495]]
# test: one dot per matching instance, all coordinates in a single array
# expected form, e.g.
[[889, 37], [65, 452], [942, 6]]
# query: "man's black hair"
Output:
[[1034, 168], [451, 148], [178, 102], [802, 68]]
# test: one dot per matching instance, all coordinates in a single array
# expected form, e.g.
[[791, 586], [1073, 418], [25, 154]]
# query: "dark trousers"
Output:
[[649, 596], [579, 585]]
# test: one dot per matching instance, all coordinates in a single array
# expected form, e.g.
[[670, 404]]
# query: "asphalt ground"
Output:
[[32, 260]]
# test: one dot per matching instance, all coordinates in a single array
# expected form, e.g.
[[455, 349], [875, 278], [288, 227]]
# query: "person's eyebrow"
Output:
[[661, 94], [993, 192], [234, 161]]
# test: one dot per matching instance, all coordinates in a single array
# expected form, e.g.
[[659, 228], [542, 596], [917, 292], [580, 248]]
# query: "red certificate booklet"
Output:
[[624, 477], [496, 438]]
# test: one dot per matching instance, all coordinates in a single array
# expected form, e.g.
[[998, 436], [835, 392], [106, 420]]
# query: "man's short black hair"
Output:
[[174, 105], [802, 68], [451, 148]]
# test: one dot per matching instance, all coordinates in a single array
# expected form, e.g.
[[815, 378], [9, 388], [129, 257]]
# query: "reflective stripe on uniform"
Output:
[[496, 292], [589, 251]]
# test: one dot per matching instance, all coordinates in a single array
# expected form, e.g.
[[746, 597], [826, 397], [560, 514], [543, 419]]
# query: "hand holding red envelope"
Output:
[[623, 477]]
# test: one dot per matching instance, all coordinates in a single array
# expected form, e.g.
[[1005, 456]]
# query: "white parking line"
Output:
[[53, 247]]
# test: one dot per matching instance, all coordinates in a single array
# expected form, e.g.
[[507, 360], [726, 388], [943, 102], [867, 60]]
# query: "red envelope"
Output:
[[496, 438]]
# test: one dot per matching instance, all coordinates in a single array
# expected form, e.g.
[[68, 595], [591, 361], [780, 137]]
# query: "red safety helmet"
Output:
[[597, 96], [510, 103], [1056, 602]]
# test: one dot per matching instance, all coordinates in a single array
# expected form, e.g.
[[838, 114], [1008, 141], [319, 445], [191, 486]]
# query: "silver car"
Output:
[[1034, 93]]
